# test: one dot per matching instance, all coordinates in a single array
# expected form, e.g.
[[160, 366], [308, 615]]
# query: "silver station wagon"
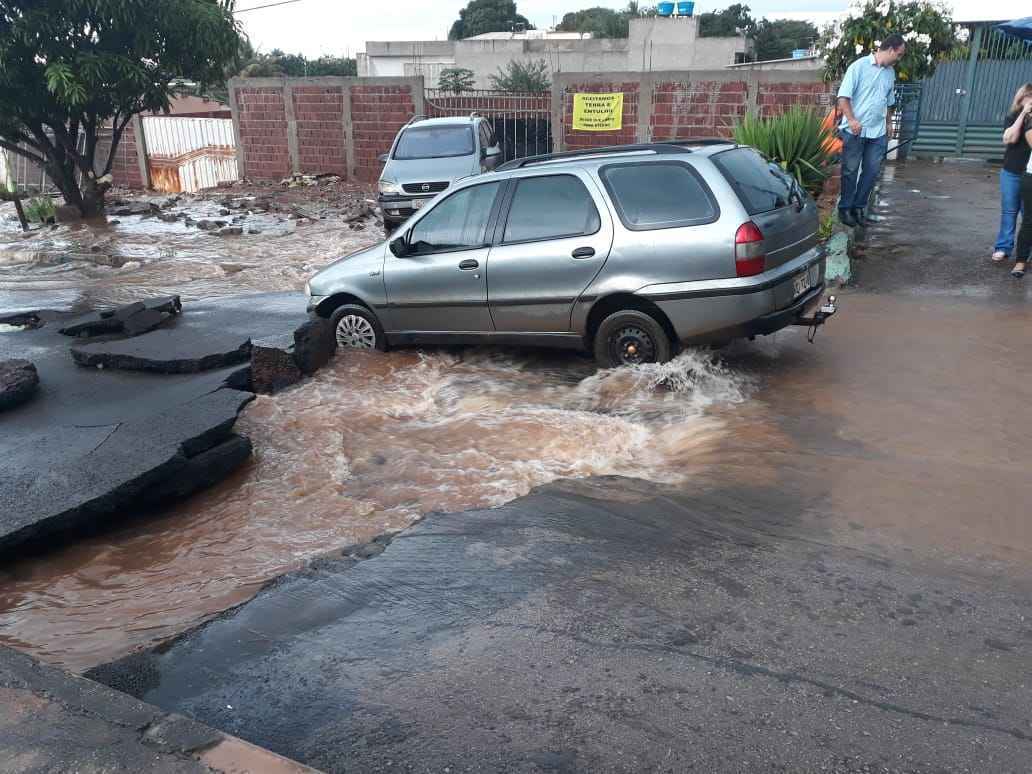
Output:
[[627, 252]]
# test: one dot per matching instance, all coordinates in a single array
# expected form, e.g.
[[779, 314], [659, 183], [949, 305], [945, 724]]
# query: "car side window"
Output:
[[485, 141], [653, 195], [550, 207], [458, 222]]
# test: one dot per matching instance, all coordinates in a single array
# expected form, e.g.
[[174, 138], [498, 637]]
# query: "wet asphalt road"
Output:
[[845, 587]]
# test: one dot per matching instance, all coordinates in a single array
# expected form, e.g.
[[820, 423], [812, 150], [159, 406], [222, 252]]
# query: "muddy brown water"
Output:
[[369, 445], [904, 427], [99, 264]]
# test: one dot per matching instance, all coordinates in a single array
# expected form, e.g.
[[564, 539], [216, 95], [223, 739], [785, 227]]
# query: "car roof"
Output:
[[595, 157], [419, 122]]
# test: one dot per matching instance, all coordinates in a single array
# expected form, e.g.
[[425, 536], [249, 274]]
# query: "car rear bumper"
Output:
[[733, 308]]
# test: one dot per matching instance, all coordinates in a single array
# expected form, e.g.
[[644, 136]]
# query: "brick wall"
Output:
[[579, 140], [262, 128], [773, 98], [319, 113], [691, 110], [125, 169], [377, 113]]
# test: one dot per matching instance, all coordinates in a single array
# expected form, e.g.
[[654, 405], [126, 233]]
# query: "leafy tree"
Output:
[[727, 23], [604, 22], [777, 39], [481, 16], [69, 67], [927, 29], [522, 76], [276, 63], [600, 22], [456, 80]]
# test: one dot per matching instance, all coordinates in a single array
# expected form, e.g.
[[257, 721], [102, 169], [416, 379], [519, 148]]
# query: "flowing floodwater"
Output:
[[368, 445], [107, 263]]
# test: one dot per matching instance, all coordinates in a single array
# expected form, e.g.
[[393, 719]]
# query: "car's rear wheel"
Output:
[[631, 337], [355, 327]]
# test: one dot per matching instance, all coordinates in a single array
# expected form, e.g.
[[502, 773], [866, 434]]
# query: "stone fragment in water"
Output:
[[18, 382]]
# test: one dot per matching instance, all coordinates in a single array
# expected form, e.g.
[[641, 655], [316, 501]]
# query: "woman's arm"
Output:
[[1013, 132]]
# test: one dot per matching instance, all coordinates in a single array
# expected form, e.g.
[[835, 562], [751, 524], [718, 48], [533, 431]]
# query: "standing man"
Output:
[[865, 99]]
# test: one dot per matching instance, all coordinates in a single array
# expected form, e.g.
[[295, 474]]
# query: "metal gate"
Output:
[[964, 103], [188, 154], [522, 121]]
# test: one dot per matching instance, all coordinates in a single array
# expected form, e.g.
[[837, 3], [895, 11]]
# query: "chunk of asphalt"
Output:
[[144, 321], [18, 382]]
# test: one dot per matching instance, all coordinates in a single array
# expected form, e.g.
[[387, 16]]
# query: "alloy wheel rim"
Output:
[[355, 332]]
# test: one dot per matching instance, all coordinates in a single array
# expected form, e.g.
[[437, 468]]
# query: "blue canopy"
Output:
[[1019, 28]]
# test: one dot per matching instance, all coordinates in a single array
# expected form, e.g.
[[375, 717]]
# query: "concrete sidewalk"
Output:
[[51, 721]]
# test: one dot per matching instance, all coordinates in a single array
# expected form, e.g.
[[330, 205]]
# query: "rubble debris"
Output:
[[123, 318]]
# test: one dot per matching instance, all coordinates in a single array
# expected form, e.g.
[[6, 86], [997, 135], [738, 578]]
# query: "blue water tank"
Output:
[[665, 9], [800, 53], [685, 9]]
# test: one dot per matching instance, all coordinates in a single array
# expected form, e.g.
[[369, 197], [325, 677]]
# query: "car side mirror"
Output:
[[399, 247], [383, 157]]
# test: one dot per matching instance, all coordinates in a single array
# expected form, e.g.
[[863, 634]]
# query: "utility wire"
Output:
[[270, 5]]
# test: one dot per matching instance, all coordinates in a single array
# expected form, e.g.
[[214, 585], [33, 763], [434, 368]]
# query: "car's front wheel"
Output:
[[355, 327], [631, 337]]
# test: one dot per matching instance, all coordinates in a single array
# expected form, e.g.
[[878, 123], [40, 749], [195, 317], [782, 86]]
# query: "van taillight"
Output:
[[750, 251]]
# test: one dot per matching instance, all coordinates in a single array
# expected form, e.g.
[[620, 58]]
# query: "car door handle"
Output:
[[583, 252], [469, 265]]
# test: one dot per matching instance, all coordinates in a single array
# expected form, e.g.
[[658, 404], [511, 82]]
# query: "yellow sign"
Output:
[[597, 112]]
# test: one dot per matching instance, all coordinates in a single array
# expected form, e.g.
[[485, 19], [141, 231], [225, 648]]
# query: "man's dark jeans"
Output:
[[861, 157]]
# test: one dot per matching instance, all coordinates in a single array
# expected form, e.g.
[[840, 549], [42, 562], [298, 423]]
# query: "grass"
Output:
[[40, 209], [827, 227]]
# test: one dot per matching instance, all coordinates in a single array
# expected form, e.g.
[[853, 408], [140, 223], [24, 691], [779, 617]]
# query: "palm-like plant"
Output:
[[795, 140]]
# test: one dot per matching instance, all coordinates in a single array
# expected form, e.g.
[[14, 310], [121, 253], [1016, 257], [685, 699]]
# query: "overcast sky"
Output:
[[339, 27]]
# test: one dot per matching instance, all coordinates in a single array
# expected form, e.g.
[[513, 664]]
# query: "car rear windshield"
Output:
[[750, 175], [435, 142], [659, 194]]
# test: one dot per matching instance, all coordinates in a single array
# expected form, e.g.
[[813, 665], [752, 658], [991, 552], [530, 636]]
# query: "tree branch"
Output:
[[22, 152], [116, 138]]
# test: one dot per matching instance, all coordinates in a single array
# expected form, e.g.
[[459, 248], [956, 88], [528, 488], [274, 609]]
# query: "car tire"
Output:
[[631, 337], [355, 327]]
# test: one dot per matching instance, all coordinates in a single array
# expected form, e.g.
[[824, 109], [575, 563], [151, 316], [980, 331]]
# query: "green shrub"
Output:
[[796, 140], [40, 210]]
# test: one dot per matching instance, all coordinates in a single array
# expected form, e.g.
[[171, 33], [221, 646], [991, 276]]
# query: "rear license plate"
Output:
[[801, 283], [418, 203]]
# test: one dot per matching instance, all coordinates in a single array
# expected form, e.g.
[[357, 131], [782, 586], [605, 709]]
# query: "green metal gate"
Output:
[[963, 105]]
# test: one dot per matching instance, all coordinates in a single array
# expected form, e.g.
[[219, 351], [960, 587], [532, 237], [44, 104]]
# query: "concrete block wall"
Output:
[[580, 140], [680, 105], [685, 110], [335, 125], [378, 111], [319, 126], [126, 167]]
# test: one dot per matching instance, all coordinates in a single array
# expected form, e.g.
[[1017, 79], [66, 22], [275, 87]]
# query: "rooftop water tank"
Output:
[[665, 9], [686, 9], [800, 53]]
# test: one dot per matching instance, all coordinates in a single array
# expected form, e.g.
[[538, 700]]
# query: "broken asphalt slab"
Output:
[[207, 335], [608, 626], [96, 446], [52, 721], [18, 382]]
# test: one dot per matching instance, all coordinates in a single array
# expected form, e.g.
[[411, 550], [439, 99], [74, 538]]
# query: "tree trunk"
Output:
[[92, 205]]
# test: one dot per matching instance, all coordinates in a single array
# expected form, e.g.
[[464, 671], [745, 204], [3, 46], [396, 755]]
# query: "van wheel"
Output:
[[355, 327], [631, 338]]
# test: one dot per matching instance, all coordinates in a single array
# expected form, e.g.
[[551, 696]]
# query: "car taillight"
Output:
[[750, 251]]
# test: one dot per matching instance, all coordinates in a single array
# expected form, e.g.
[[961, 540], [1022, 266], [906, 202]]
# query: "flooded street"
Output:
[[903, 426], [81, 266]]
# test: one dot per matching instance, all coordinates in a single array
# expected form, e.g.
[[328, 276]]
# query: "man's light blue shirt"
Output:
[[870, 90]]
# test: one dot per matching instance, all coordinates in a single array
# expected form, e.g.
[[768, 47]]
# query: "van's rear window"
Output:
[[435, 142], [750, 175]]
